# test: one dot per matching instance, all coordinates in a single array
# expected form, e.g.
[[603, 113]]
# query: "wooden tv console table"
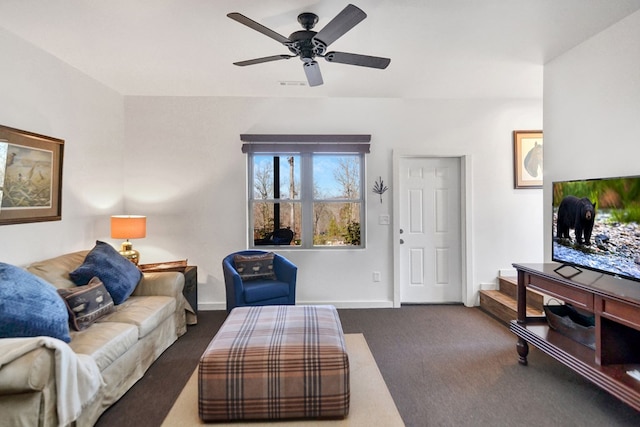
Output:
[[616, 305]]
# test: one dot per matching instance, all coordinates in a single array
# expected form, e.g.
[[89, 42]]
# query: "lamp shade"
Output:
[[128, 226]]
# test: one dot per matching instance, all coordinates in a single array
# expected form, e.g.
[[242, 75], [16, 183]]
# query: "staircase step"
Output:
[[504, 307], [509, 286]]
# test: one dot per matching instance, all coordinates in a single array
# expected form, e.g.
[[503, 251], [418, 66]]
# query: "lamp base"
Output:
[[127, 251]]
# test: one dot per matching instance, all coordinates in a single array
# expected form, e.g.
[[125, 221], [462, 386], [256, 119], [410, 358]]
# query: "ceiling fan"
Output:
[[308, 44]]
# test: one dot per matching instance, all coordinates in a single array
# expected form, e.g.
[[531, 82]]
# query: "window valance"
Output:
[[273, 143]]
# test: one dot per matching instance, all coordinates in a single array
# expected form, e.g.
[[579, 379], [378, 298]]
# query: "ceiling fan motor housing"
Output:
[[304, 44], [308, 20]]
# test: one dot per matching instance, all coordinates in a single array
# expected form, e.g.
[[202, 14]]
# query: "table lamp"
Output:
[[129, 227]]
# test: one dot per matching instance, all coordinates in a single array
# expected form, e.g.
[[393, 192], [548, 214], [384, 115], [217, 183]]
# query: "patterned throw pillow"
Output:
[[30, 307], [253, 267], [119, 275], [86, 304]]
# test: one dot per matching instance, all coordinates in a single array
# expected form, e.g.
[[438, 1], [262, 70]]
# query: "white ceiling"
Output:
[[438, 48]]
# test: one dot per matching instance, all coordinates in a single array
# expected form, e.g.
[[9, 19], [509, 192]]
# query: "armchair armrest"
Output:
[[234, 286], [285, 270]]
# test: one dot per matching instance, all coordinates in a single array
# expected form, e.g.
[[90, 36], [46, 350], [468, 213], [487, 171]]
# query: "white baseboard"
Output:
[[507, 272], [212, 306], [491, 286], [353, 304]]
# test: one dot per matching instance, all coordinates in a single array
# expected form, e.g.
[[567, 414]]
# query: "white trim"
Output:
[[507, 272], [350, 304], [488, 286], [212, 306]]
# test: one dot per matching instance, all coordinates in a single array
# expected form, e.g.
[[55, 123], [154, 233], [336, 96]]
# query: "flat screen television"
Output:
[[596, 225]]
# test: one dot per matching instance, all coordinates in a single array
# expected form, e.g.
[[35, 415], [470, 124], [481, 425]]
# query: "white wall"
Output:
[[192, 182], [178, 160], [181, 160], [38, 93], [592, 111]]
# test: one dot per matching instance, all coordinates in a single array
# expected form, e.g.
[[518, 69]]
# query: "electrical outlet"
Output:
[[376, 276]]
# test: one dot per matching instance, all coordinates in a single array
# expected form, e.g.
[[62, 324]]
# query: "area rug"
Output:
[[371, 402]]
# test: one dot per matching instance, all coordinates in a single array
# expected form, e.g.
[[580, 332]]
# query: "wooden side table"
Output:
[[190, 290]]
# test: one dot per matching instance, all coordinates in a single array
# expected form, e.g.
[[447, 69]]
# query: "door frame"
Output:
[[465, 222]]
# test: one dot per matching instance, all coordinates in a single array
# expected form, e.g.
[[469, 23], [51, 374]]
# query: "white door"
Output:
[[430, 251]]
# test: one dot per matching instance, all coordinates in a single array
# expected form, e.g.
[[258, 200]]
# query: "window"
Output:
[[306, 195]]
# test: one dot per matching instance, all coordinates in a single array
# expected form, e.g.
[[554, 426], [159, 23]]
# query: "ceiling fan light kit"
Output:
[[308, 44]]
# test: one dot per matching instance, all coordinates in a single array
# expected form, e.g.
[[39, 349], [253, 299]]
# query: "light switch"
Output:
[[383, 219]]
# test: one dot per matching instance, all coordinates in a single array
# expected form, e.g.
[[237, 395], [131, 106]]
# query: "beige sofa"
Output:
[[120, 346]]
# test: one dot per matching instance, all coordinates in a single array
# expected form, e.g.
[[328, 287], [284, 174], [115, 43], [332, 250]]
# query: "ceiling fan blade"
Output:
[[261, 60], [312, 70], [338, 26], [355, 59], [258, 27]]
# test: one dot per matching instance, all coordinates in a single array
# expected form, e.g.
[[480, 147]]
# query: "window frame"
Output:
[[306, 147]]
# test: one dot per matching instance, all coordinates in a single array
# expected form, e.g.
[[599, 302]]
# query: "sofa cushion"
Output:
[[144, 312], [119, 275], [56, 270], [30, 307], [86, 304], [104, 342], [254, 267]]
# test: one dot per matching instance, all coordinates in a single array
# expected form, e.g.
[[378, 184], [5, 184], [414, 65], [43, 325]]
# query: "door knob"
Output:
[[401, 241], [401, 231]]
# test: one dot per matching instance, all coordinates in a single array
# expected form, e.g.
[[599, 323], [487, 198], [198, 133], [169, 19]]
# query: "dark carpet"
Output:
[[444, 365]]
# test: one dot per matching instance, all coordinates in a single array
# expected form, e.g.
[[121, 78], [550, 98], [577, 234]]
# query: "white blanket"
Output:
[[78, 378]]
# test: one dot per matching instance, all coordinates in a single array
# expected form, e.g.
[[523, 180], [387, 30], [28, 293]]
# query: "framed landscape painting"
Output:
[[527, 158], [30, 177]]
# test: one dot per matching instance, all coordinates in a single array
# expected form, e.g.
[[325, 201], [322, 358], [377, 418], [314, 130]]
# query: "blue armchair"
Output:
[[280, 290]]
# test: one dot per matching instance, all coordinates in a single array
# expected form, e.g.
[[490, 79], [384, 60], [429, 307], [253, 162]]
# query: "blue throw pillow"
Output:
[[30, 307], [119, 275]]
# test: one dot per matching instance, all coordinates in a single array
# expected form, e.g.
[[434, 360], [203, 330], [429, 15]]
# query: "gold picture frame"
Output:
[[527, 158], [30, 177]]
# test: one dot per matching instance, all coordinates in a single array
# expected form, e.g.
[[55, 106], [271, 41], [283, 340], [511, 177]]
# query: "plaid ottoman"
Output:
[[273, 362]]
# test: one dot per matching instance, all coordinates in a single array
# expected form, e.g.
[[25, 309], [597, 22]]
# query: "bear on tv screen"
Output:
[[596, 225]]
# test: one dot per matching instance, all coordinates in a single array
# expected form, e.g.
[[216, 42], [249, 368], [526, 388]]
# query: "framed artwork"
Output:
[[30, 177], [527, 158]]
